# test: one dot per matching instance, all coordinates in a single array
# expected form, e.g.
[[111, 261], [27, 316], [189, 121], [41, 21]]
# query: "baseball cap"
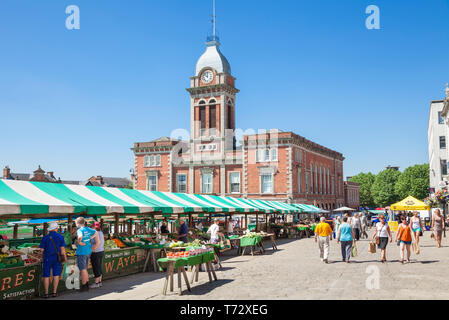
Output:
[[53, 226]]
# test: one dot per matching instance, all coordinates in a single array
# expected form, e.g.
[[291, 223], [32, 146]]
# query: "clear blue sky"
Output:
[[76, 101]]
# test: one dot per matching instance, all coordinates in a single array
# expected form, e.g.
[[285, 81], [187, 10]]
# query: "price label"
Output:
[[24, 256]]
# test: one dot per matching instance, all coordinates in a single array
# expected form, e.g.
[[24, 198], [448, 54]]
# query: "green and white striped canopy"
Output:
[[31, 198], [307, 208]]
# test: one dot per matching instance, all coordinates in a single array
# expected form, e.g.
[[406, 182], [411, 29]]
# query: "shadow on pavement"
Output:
[[204, 288], [127, 283]]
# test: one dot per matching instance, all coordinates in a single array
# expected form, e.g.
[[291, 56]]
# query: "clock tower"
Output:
[[212, 106]]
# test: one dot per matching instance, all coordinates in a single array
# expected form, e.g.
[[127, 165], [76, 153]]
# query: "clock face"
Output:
[[207, 77]]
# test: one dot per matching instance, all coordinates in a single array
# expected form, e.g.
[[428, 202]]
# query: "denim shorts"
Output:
[[83, 261], [406, 242]]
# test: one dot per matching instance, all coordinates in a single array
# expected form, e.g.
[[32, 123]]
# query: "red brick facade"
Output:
[[293, 169]]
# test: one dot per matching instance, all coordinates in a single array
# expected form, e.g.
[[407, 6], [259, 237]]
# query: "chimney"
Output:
[[6, 172]]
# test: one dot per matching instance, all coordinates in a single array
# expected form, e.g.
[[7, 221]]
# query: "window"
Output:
[[443, 167], [212, 117], [202, 120], [152, 161], [181, 182], [152, 182], [316, 179], [158, 160], [207, 183], [234, 180], [440, 118], [146, 161], [274, 154], [299, 180], [311, 178], [298, 155], [229, 118], [307, 182], [267, 183], [442, 142], [266, 155]]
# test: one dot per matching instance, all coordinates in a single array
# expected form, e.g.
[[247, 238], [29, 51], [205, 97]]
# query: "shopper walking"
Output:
[[381, 235], [84, 249], [364, 224], [52, 245], [438, 226], [417, 226], [404, 236], [356, 226], [323, 233], [96, 258], [337, 226], [345, 235]]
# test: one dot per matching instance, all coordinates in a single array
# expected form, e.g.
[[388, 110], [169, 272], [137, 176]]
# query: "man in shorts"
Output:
[[84, 249], [50, 245]]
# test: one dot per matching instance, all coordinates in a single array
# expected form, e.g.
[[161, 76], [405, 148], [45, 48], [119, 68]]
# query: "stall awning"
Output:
[[410, 203], [31, 198], [307, 208], [282, 206]]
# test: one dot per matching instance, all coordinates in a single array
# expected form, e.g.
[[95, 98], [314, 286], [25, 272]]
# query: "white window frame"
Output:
[[230, 182], [178, 182], [307, 182], [146, 161], [152, 174], [299, 171], [203, 175], [261, 183], [274, 154]]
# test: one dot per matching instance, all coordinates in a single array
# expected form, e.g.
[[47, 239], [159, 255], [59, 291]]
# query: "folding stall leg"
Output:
[[167, 277], [171, 267], [208, 271], [197, 272], [186, 279], [146, 261], [179, 282], [153, 256], [212, 270], [194, 269]]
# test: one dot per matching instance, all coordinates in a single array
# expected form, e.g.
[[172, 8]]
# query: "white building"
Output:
[[438, 139]]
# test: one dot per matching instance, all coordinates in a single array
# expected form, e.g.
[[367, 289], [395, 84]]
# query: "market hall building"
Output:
[[274, 165]]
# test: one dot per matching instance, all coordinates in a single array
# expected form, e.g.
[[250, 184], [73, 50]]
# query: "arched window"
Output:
[[229, 116], [202, 117], [316, 178], [311, 178], [212, 116]]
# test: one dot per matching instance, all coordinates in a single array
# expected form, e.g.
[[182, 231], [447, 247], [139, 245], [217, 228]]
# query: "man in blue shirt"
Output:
[[183, 231], [50, 245], [83, 249]]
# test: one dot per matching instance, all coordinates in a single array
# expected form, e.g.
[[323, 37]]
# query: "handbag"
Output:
[[378, 237], [354, 251], [372, 247], [60, 256]]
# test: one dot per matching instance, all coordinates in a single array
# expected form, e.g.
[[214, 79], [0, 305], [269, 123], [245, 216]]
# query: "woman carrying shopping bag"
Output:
[[345, 236], [381, 235]]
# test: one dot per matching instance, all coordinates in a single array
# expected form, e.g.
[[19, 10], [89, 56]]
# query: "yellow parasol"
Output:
[[410, 203]]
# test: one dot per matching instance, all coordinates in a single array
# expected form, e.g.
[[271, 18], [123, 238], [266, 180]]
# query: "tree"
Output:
[[365, 181], [414, 181], [383, 188]]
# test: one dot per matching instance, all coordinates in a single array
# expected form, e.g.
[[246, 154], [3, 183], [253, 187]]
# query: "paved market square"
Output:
[[296, 272]]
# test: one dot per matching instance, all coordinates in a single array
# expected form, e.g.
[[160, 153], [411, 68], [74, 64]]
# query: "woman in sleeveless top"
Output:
[[383, 232], [438, 225], [416, 225], [404, 235]]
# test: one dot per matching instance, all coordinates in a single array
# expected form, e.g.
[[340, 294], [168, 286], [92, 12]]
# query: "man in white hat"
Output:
[[52, 244]]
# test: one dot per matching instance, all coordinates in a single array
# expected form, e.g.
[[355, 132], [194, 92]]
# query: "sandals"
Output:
[[45, 296], [54, 295]]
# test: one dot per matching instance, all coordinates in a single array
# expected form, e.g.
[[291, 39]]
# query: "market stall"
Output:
[[131, 245]]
